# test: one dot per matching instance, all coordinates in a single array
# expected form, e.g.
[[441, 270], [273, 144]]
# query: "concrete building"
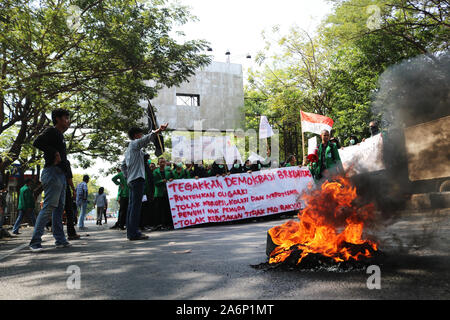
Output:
[[215, 94]]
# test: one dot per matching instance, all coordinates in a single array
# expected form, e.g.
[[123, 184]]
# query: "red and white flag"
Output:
[[315, 123]]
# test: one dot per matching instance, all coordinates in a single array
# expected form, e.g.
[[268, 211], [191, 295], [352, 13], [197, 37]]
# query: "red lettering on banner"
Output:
[[191, 186], [190, 222], [255, 213], [237, 201], [233, 209], [251, 180], [190, 197], [290, 207], [293, 174], [272, 210], [216, 203], [194, 213], [257, 198], [240, 192], [224, 218], [281, 194], [187, 206]]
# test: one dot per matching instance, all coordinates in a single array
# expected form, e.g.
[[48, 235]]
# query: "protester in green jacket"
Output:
[[120, 180], [190, 172], [123, 195], [179, 172], [329, 162], [291, 161], [160, 177], [26, 205]]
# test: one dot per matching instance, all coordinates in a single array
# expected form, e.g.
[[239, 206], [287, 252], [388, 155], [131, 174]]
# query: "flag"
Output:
[[265, 130], [312, 145], [315, 123], [312, 149], [254, 158]]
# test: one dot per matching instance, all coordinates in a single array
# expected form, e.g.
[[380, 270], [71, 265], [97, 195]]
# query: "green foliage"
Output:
[[336, 72], [97, 69]]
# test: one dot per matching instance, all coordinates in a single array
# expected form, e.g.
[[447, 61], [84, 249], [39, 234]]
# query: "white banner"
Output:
[[237, 196], [366, 156], [265, 130]]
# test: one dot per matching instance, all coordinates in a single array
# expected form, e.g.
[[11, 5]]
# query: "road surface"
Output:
[[214, 262]]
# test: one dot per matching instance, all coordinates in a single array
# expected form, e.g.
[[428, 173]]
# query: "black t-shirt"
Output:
[[50, 142]]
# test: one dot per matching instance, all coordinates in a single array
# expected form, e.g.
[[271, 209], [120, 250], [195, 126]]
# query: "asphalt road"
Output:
[[214, 262]]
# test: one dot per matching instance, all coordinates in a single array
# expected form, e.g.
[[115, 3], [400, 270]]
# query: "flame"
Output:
[[328, 210]]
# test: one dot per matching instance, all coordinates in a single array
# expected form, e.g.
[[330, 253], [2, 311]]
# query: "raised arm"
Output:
[[146, 139]]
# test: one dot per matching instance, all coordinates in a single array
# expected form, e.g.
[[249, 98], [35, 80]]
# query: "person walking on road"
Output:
[[54, 180], [102, 204], [82, 195], [26, 205]]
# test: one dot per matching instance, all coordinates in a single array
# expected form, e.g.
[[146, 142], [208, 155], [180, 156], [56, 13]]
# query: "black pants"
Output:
[[163, 213], [144, 215], [122, 219], [70, 214], [153, 217]]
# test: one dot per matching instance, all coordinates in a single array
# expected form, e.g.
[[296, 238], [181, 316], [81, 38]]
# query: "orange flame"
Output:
[[328, 209]]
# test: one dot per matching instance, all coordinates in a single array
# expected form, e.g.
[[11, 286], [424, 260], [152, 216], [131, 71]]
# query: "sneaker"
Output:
[[63, 245], [36, 248], [16, 232], [75, 237]]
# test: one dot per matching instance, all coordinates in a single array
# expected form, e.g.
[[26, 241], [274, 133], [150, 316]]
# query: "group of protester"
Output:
[[143, 199], [155, 210]]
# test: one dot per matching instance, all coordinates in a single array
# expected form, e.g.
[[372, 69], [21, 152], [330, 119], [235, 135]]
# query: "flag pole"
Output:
[[303, 137]]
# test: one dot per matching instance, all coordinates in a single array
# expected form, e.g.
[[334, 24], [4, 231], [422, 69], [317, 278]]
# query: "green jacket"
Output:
[[189, 173], [181, 175], [332, 160], [119, 179], [26, 199], [160, 185]]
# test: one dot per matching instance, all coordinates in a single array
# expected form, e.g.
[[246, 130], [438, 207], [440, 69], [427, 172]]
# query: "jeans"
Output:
[[54, 182], [19, 220], [83, 205], [100, 214], [134, 208]]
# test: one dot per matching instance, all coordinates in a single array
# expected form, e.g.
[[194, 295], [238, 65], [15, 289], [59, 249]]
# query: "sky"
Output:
[[236, 25]]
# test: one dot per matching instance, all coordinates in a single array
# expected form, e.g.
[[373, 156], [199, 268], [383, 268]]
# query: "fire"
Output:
[[331, 224]]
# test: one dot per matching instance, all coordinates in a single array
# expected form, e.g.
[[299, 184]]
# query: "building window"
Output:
[[189, 100]]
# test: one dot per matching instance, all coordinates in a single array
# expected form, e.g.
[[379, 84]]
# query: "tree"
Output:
[[364, 48], [91, 57], [293, 79], [336, 72]]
